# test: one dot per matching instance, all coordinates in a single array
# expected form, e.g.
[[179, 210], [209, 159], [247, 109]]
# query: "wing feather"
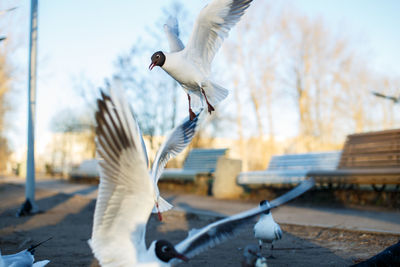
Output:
[[219, 231], [211, 28], [171, 29], [177, 140], [126, 193]]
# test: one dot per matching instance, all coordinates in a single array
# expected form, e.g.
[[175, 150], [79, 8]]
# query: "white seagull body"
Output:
[[126, 198], [23, 258], [190, 66], [266, 229]]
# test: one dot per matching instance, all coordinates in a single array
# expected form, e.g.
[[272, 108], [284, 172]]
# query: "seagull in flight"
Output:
[[176, 141], [127, 195], [190, 66], [266, 229], [392, 98], [23, 258]]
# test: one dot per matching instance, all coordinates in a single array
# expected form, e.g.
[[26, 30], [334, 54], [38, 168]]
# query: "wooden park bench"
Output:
[[290, 168], [198, 161], [371, 158]]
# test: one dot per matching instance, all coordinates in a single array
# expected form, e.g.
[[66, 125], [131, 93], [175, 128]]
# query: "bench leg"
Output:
[[378, 189]]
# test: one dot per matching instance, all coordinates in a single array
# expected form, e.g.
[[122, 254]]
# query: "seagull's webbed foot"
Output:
[[210, 107], [272, 250]]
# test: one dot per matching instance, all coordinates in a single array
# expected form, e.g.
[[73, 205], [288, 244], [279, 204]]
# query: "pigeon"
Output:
[[190, 66], [252, 257], [24, 258], [266, 229], [126, 198]]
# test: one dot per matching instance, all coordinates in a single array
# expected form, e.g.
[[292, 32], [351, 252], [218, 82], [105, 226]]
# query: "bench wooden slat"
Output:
[[367, 158]]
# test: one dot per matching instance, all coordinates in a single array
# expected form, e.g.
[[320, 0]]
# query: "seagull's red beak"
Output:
[[152, 65], [181, 257]]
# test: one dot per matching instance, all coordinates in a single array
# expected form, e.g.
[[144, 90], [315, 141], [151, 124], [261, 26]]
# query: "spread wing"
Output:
[[176, 141], [212, 27], [219, 231], [171, 29], [126, 193]]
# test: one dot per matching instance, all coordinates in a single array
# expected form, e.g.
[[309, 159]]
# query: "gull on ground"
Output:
[[266, 230]]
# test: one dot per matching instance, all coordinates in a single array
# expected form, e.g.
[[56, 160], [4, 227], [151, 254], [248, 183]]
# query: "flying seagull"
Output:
[[2, 12], [392, 98], [266, 229], [190, 66], [24, 258], [177, 140]]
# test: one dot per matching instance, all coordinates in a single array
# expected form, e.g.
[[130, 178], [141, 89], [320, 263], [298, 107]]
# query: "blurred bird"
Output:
[[2, 12], [252, 257], [190, 66], [24, 258], [266, 229], [176, 141], [394, 99]]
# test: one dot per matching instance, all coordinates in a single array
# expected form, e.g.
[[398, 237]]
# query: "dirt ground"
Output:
[[68, 219]]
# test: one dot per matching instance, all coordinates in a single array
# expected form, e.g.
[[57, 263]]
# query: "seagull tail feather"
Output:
[[163, 206], [216, 94]]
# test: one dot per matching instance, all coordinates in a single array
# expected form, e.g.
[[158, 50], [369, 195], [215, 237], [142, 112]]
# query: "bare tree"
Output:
[[6, 79]]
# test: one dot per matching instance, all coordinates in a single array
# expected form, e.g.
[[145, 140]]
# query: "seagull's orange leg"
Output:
[[210, 108], [192, 115]]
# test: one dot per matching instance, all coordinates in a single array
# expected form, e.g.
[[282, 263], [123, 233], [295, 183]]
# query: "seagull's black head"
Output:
[[165, 251], [157, 59], [265, 203]]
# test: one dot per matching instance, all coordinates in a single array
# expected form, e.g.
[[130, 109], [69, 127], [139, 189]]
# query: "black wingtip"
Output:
[[32, 248]]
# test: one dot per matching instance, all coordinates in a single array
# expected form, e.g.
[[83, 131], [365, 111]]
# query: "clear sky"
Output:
[[85, 37]]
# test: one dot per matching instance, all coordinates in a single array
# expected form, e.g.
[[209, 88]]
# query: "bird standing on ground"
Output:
[[191, 66], [23, 258], [126, 198], [266, 229]]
